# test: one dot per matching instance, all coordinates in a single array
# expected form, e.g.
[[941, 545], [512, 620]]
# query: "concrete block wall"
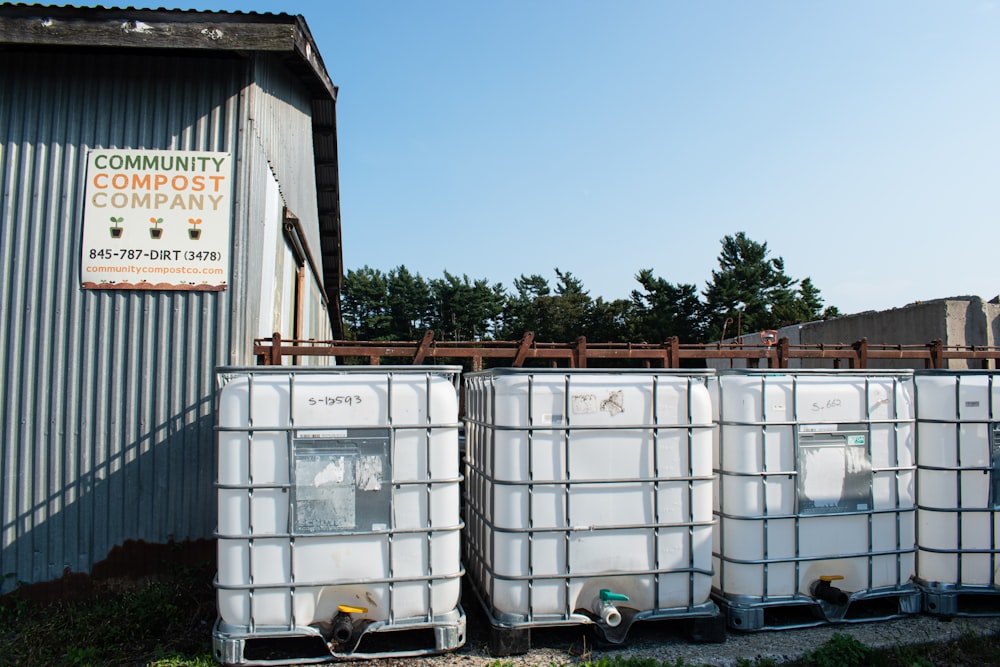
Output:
[[963, 320], [992, 313]]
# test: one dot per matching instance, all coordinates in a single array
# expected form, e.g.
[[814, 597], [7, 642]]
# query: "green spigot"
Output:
[[608, 596]]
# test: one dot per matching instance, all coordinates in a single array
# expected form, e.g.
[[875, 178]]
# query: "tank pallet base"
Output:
[[752, 614], [702, 624], [960, 601], [307, 646], [507, 641]]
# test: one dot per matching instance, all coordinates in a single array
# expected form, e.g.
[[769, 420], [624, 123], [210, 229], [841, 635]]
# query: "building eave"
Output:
[[288, 36]]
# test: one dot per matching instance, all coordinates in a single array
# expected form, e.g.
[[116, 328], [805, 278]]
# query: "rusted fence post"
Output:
[[782, 353], [275, 359], [580, 353], [861, 349], [673, 352], [937, 354], [522, 349], [425, 344]]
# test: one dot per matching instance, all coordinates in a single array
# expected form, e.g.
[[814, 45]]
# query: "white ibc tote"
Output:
[[589, 498], [816, 494], [958, 490], [338, 510]]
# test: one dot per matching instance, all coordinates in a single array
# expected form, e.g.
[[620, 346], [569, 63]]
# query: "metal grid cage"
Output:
[[565, 471], [958, 483], [816, 477], [338, 492]]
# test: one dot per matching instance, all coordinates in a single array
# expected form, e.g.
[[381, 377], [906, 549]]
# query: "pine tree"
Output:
[[662, 310], [749, 292]]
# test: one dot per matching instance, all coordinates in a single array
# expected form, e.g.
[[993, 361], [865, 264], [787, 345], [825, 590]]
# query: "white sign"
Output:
[[157, 220]]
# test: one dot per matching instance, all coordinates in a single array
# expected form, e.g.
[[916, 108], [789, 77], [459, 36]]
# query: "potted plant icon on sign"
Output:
[[116, 228], [194, 233], [155, 231]]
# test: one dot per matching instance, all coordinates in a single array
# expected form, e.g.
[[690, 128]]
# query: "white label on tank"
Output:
[[614, 404], [552, 419], [368, 473], [322, 434], [817, 428], [584, 404], [333, 473]]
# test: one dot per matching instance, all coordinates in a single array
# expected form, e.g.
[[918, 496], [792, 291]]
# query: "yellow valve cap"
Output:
[[347, 609], [831, 577]]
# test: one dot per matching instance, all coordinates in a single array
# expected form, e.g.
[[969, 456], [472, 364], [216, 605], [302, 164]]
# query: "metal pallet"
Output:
[[951, 600], [751, 615], [402, 639], [511, 635]]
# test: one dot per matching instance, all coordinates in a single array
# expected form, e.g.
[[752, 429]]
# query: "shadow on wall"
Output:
[[982, 321], [975, 327], [135, 513], [992, 310]]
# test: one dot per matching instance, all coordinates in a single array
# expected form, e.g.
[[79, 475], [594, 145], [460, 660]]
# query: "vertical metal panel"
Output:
[[282, 112], [106, 398]]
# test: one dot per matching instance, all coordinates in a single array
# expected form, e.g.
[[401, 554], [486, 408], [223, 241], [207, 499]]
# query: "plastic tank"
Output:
[[338, 508], [589, 497], [816, 493], [958, 487]]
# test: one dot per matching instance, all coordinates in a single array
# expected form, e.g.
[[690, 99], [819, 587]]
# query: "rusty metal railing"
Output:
[[583, 353]]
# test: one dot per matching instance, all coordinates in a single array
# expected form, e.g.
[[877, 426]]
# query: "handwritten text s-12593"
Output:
[[332, 401]]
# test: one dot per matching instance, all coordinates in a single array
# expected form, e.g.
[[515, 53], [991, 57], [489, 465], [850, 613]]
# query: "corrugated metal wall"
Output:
[[286, 100], [106, 407], [284, 131], [280, 139]]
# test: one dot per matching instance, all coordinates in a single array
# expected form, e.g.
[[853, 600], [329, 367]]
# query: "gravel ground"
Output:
[[665, 641]]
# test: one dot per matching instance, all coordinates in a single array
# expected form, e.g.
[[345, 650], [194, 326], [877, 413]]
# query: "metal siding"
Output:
[[251, 239], [106, 401], [283, 112], [280, 139]]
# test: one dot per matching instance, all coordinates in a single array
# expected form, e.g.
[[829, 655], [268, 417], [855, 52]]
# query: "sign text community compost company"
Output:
[[157, 220]]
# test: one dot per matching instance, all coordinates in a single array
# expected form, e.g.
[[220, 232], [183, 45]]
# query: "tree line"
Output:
[[748, 292]]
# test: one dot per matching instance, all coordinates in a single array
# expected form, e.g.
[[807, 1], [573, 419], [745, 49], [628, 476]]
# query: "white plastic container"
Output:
[[338, 505], [816, 482], [958, 485], [583, 481]]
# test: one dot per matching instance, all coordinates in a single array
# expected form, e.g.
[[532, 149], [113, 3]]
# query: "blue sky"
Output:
[[859, 138]]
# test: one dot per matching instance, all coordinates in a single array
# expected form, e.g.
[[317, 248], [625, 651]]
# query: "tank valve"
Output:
[[343, 626], [607, 611], [824, 591]]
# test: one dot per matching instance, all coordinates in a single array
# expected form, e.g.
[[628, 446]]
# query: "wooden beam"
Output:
[[424, 346], [522, 349], [121, 29]]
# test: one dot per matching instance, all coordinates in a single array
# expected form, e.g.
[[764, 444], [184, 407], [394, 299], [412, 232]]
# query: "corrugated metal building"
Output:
[[106, 406]]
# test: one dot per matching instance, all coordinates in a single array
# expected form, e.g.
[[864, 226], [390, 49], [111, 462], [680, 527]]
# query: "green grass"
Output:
[[167, 623], [162, 623], [842, 650]]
